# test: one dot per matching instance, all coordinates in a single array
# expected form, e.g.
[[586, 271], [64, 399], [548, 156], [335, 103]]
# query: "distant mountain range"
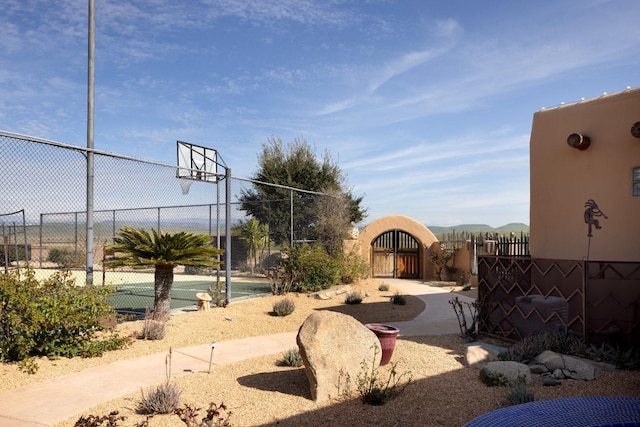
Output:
[[514, 227]]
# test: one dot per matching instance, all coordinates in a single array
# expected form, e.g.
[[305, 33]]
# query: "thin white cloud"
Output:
[[405, 63]]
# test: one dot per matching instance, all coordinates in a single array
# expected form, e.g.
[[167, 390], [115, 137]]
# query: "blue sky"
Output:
[[425, 105]]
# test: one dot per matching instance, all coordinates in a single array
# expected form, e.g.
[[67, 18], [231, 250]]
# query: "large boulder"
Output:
[[563, 366], [505, 373], [478, 354], [334, 348]]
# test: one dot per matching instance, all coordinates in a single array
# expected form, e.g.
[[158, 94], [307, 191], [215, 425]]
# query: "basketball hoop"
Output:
[[185, 184]]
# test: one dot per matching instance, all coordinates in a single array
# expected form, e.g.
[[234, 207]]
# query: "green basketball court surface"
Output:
[[136, 297]]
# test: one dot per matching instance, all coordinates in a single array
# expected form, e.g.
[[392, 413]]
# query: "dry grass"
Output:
[[259, 392]]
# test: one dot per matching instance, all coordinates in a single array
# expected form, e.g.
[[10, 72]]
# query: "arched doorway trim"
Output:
[[417, 230], [396, 254]]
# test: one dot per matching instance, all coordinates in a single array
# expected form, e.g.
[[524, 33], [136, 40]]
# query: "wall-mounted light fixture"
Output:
[[635, 129], [578, 141]]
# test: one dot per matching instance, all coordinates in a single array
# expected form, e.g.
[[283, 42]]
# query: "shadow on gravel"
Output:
[[291, 381]]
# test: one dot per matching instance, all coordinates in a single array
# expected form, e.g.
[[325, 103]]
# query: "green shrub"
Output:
[[14, 253], [163, 399], [309, 269], [28, 365], [353, 297], [66, 257], [53, 318], [383, 287], [399, 299], [284, 307], [353, 268], [292, 358], [519, 393]]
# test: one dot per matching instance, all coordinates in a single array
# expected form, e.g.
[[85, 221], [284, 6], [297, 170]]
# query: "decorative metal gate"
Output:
[[596, 300], [395, 253]]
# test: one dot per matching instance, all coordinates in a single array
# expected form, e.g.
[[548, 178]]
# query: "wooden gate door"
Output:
[[395, 253]]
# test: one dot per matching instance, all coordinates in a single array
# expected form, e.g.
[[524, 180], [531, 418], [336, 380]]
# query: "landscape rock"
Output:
[[505, 373], [477, 356], [563, 366], [550, 359], [578, 369], [550, 382], [538, 368], [334, 347], [331, 293]]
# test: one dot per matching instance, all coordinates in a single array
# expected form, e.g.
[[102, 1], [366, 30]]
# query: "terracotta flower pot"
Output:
[[387, 336]]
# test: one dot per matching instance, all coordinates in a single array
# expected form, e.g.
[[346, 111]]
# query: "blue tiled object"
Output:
[[566, 412]]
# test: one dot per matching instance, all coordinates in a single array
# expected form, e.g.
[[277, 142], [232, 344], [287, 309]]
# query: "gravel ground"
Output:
[[259, 392]]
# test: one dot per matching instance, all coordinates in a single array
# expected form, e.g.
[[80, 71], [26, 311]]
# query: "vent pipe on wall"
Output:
[[635, 129], [578, 141]]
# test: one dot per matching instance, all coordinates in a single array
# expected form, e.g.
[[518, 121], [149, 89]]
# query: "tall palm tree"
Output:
[[138, 248]]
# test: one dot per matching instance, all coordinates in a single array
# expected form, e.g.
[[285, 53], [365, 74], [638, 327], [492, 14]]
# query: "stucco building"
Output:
[[583, 273]]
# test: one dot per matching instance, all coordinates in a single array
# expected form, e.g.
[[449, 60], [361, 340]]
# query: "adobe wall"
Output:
[[563, 178]]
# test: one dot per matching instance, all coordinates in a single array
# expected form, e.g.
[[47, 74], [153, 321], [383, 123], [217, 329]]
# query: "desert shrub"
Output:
[[309, 269], [621, 359], [215, 417], [468, 327], [217, 291], [353, 267], [383, 287], [399, 299], [14, 253], [53, 317], [375, 391], [153, 329], [353, 297], [291, 358], [28, 365], [163, 399], [625, 359], [564, 342], [66, 257], [284, 307], [110, 420], [519, 393]]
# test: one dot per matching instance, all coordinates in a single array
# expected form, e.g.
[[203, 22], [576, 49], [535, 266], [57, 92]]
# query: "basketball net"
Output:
[[185, 184]]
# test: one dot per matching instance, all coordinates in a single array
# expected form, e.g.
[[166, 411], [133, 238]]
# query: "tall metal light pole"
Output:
[[90, 114]]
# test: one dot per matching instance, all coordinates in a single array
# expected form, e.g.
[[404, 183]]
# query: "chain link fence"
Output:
[[43, 215]]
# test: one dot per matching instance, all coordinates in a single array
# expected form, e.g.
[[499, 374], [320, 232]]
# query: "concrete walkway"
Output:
[[52, 401]]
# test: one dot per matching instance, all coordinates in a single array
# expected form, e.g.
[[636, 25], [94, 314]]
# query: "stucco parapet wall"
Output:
[[397, 222]]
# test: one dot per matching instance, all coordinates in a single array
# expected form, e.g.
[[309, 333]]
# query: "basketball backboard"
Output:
[[196, 162]]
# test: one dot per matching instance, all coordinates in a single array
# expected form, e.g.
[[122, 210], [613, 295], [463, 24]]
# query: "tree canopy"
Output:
[[138, 248], [295, 166]]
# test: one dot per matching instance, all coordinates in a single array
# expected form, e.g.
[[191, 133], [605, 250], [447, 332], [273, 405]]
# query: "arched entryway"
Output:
[[395, 253], [396, 246]]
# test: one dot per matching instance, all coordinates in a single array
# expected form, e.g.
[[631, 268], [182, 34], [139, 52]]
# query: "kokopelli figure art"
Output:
[[590, 215]]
